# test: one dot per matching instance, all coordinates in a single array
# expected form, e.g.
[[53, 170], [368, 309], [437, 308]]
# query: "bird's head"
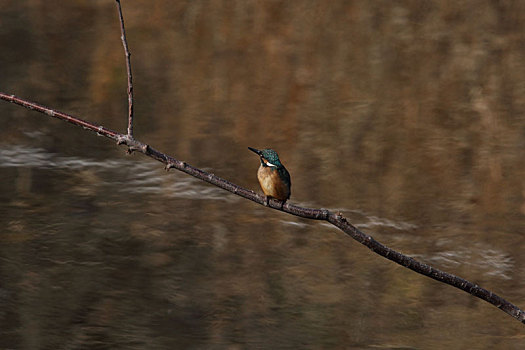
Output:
[[268, 157]]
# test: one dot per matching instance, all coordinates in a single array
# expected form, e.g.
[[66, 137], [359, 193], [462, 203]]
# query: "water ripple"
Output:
[[133, 177], [494, 262]]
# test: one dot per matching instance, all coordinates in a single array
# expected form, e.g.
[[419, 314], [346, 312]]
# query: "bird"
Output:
[[272, 175]]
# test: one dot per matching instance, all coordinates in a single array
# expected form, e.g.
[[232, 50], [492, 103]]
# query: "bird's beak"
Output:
[[255, 150]]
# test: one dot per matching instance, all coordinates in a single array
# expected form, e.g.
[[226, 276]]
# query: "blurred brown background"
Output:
[[408, 116]]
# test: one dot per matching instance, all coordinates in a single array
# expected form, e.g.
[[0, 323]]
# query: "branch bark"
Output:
[[335, 219]]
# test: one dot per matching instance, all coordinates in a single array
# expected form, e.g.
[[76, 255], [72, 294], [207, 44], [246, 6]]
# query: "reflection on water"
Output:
[[133, 177], [406, 117], [491, 262]]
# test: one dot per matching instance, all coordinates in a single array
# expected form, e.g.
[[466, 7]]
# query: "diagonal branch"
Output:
[[335, 219], [128, 70]]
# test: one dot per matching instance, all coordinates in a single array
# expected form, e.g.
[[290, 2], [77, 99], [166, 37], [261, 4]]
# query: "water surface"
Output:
[[408, 117]]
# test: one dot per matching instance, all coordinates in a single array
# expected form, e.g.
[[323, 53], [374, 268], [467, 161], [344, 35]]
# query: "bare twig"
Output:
[[128, 69], [335, 219]]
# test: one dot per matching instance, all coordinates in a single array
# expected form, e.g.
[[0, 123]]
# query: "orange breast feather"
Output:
[[271, 183]]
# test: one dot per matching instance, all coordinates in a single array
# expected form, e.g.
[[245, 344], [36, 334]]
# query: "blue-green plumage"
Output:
[[272, 175]]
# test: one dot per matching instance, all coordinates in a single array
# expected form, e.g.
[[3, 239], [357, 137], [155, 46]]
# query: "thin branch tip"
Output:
[[127, 54]]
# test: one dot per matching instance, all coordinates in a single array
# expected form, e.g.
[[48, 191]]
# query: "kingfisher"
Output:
[[272, 175]]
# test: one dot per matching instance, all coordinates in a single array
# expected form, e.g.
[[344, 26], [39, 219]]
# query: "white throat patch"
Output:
[[270, 164]]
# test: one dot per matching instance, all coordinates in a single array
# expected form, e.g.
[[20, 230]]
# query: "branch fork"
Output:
[[133, 144]]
